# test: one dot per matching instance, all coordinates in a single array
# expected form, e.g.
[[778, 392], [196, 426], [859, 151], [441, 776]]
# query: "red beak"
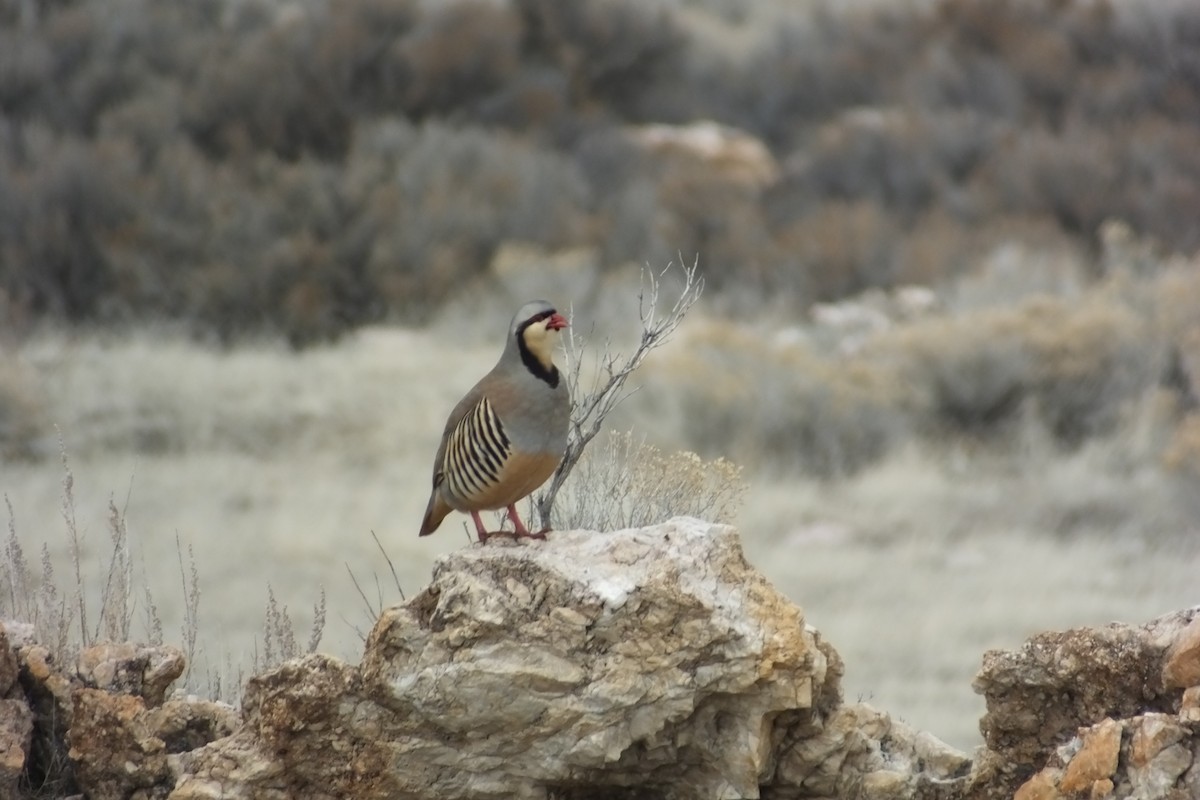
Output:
[[556, 322]]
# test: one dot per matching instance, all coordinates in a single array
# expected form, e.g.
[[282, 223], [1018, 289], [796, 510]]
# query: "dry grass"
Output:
[[58, 606], [623, 482]]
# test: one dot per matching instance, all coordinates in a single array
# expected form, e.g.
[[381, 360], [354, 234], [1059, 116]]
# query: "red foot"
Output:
[[484, 536], [519, 530]]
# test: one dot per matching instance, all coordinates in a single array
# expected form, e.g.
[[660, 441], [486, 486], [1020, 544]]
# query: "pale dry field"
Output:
[[274, 467]]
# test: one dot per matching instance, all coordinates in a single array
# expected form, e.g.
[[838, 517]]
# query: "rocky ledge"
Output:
[[647, 663]]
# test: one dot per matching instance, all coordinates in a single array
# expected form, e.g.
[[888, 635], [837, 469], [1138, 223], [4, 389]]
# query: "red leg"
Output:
[[479, 529], [519, 527]]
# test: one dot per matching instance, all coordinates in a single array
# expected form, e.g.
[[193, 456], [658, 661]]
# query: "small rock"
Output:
[[1042, 786], [1096, 760], [1156, 778], [36, 660], [1189, 705], [1058, 682], [1182, 667], [1153, 733], [884, 784], [111, 747], [16, 734], [146, 672]]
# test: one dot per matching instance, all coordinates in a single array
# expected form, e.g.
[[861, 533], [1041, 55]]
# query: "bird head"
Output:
[[535, 326]]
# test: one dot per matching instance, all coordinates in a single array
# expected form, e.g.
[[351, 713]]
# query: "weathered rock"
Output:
[[139, 670], [114, 751], [859, 752], [1137, 738], [1096, 759], [121, 748], [1189, 705], [1042, 786], [189, 723], [100, 726], [48, 693], [1038, 696], [651, 657], [1159, 754], [1146, 757], [1182, 667], [16, 721], [16, 735], [19, 634], [650, 662]]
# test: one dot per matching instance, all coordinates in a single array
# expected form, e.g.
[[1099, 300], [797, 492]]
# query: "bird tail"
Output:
[[435, 512]]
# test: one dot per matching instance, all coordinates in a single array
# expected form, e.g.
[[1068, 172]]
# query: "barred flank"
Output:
[[476, 452]]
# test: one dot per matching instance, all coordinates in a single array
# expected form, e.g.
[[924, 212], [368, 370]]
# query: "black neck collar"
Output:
[[533, 364]]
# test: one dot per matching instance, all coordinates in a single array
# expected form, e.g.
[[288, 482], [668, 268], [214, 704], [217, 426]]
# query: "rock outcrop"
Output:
[[1095, 712], [654, 662], [646, 663], [100, 725]]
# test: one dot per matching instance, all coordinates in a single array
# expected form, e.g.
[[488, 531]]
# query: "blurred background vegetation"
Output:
[[307, 167], [300, 169]]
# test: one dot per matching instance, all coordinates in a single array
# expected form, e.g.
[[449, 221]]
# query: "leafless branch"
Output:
[[590, 407], [374, 609]]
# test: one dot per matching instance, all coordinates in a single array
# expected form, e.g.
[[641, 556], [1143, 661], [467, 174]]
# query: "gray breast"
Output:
[[538, 421]]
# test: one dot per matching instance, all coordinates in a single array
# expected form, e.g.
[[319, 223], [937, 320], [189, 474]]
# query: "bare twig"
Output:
[[391, 566], [371, 612], [68, 514], [589, 408], [191, 604], [374, 610], [318, 624], [115, 612], [17, 574]]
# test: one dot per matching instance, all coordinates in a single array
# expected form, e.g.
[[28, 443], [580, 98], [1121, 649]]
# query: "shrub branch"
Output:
[[590, 408]]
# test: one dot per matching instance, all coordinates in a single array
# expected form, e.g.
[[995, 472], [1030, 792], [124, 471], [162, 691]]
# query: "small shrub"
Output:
[[457, 55], [1076, 177], [780, 404], [58, 609], [1080, 365], [626, 483], [700, 212], [938, 248], [62, 205], [453, 197], [973, 377], [279, 635], [842, 248], [614, 52]]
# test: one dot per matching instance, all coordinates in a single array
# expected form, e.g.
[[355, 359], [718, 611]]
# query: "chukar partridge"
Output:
[[509, 433]]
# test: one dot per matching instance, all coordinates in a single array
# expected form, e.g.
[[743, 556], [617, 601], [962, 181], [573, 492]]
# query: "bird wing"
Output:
[[469, 401], [477, 452]]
